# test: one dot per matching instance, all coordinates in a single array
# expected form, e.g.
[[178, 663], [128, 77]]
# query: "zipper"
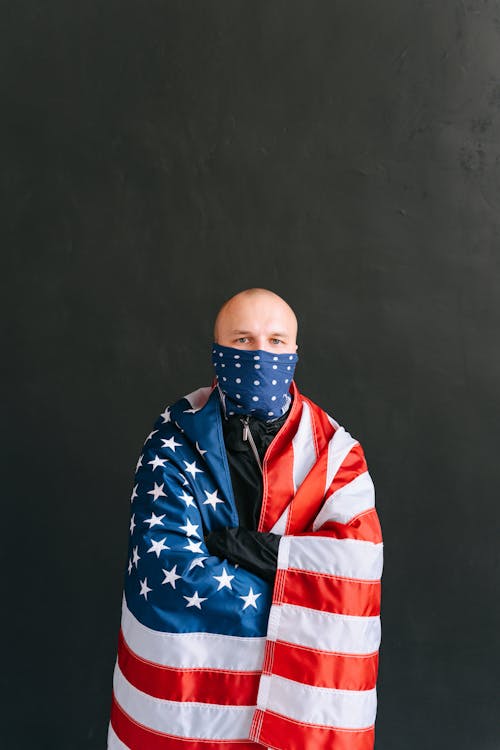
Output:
[[247, 435]]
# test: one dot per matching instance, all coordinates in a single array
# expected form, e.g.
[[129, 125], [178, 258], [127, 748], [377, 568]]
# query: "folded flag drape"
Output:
[[210, 656]]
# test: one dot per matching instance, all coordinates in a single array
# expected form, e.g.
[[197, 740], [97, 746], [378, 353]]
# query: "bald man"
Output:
[[251, 605]]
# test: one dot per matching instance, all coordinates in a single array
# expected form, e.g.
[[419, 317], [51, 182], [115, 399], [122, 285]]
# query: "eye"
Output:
[[242, 339], [277, 341]]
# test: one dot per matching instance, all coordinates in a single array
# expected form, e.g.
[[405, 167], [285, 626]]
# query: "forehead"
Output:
[[257, 312]]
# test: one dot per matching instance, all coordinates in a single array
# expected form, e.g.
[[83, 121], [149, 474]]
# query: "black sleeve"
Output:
[[257, 551]]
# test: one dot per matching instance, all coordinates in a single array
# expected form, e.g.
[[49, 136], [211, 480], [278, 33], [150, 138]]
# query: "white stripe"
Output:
[[199, 397], [114, 742], [304, 452], [349, 558], [192, 650], [345, 634], [206, 721], [345, 709], [348, 501], [280, 525], [338, 448]]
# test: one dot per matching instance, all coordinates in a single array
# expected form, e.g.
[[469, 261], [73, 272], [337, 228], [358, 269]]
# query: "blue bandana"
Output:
[[253, 381]]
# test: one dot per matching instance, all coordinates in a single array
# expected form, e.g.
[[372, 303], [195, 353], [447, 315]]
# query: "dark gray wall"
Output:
[[159, 157]]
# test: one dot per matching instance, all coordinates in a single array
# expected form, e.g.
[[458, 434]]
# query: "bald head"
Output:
[[257, 319]]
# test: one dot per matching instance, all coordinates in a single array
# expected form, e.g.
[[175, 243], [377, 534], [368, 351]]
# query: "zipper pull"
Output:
[[244, 422]]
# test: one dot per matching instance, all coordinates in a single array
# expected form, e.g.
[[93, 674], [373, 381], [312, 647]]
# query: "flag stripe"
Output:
[[268, 726], [324, 669], [135, 736], [348, 501], [192, 650], [304, 452], [331, 594], [114, 742], [365, 527], [224, 687], [349, 558], [196, 720], [338, 448], [323, 630], [348, 709]]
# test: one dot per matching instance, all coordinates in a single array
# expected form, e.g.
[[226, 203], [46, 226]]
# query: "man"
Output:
[[252, 593]]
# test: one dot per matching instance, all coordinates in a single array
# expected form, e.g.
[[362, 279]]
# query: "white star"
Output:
[[134, 493], [132, 523], [166, 415], [157, 461], [144, 588], [212, 499], [157, 491], [195, 600], [190, 411], [188, 499], [193, 469], [197, 563], [157, 547], [250, 599], [154, 520], [193, 546], [190, 528], [171, 576], [170, 443], [200, 451], [130, 566], [178, 426], [135, 556], [184, 479], [150, 436], [224, 580], [139, 463]]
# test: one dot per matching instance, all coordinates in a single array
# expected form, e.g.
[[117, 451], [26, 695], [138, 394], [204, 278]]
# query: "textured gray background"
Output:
[[158, 157]]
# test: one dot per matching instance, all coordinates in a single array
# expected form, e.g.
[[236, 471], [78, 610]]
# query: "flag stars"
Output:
[[130, 566], [198, 562], [212, 499], [170, 443], [154, 520], [166, 416], [157, 461], [190, 528], [171, 576], [157, 491], [224, 580], [144, 589], [184, 479], [193, 546], [200, 451], [132, 523], [250, 599], [135, 556], [195, 600], [192, 469], [158, 547], [188, 499], [139, 463], [134, 493], [150, 436]]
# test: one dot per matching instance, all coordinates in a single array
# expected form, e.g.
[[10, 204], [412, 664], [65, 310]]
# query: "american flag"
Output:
[[212, 657]]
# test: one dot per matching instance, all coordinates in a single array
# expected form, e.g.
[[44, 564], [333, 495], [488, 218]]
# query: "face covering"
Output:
[[253, 381]]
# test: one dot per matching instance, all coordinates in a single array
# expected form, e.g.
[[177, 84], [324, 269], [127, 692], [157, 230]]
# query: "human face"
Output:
[[258, 321]]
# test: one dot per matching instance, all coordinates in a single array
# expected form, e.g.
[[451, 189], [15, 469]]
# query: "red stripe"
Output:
[[366, 527], [352, 466], [329, 593], [138, 737], [223, 687], [278, 732], [277, 474], [322, 668]]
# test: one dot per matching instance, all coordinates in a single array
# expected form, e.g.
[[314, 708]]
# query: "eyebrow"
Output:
[[275, 333]]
